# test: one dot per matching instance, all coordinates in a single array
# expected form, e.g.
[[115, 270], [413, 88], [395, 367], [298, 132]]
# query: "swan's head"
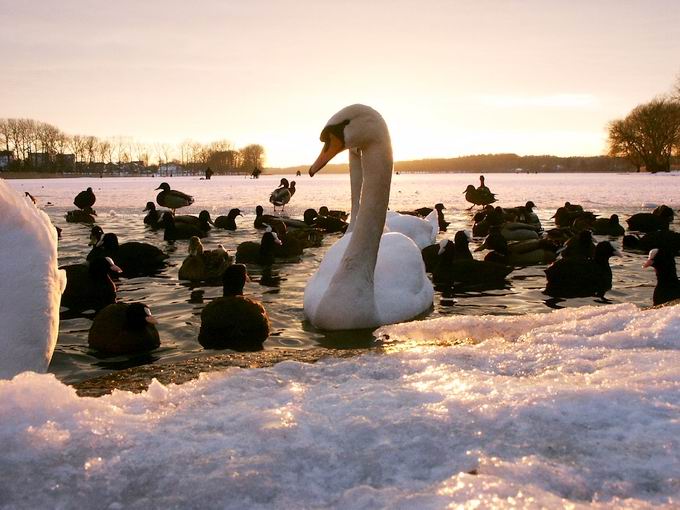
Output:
[[354, 127]]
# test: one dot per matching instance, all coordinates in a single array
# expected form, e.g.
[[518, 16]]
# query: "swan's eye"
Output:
[[337, 130]]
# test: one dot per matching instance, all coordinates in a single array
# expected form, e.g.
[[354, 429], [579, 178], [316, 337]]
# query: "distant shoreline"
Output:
[[46, 175]]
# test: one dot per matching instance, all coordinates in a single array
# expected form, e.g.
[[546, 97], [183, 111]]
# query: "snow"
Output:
[[576, 407]]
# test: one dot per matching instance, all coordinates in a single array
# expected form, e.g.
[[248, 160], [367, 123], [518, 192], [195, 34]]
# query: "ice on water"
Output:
[[578, 406]]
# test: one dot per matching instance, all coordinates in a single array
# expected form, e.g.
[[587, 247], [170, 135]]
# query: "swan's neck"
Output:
[[353, 280], [376, 160], [356, 181]]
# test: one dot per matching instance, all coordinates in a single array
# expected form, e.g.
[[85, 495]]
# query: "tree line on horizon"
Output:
[[28, 144]]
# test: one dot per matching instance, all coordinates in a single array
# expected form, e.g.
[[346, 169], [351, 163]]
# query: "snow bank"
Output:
[[578, 406]]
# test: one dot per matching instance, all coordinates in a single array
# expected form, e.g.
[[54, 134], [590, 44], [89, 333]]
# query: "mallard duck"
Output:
[[153, 217], [204, 265], [659, 219], [666, 239], [122, 328], [81, 216], [581, 277], [324, 211], [174, 231], [467, 272], [580, 246], [608, 226], [234, 321], [519, 253], [228, 222], [202, 221], [281, 195], [514, 231], [478, 197], [85, 199], [328, 224], [261, 253], [172, 199], [134, 258], [89, 286]]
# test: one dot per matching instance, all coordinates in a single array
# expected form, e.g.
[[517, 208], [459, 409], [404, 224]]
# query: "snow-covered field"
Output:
[[577, 407]]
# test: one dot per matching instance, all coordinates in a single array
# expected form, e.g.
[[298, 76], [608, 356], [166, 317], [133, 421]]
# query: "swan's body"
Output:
[[423, 232], [367, 278], [32, 285]]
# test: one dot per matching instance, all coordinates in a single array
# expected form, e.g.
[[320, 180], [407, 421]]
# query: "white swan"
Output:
[[367, 278], [31, 285], [423, 231]]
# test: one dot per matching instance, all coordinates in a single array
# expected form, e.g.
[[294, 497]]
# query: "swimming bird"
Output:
[[204, 265], [426, 211], [264, 220], [457, 269], [228, 222], [134, 258], [281, 195], [174, 231], [580, 246], [31, 285], [367, 278], [659, 219], [667, 239], [89, 286], [234, 321], [172, 199], [488, 217], [519, 253], [202, 221], [85, 199], [514, 231], [81, 216], [153, 217], [261, 253], [524, 214], [329, 224], [423, 231], [122, 328], [580, 277], [667, 284], [608, 226], [334, 213]]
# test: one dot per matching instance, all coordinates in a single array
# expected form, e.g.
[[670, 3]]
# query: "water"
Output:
[[178, 304], [575, 408]]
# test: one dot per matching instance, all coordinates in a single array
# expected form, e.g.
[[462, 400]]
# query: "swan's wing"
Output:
[[32, 285]]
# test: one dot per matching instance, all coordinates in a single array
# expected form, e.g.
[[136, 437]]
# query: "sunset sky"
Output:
[[450, 77]]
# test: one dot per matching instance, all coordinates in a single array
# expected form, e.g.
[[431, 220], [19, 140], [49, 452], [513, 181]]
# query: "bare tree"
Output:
[[77, 146], [252, 157], [4, 134], [90, 149]]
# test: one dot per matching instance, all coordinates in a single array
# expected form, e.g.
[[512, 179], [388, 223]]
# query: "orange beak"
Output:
[[330, 149]]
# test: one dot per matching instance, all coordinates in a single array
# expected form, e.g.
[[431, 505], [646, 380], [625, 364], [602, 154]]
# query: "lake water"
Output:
[[178, 304], [494, 404]]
